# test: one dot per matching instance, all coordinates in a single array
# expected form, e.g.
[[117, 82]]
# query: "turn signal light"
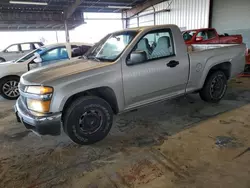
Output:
[[39, 90]]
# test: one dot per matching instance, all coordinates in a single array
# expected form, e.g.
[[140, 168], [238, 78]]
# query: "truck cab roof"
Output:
[[146, 28]]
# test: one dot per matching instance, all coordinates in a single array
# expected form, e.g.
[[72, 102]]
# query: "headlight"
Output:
[[40, 100], [39, 90], [38, 105]]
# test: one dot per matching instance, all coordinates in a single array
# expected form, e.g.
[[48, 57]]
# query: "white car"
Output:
[[11, 71], [16, 51]]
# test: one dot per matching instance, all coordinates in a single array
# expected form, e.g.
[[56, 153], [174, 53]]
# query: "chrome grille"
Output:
[[23, 99], [21, 88]]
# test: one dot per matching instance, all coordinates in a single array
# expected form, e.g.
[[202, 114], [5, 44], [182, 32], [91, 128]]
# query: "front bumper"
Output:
[[46, 125]]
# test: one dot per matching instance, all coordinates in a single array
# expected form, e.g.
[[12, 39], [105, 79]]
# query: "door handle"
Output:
[[173, 64]]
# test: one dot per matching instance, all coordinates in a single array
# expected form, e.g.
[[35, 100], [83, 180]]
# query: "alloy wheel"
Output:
[[10, 89]]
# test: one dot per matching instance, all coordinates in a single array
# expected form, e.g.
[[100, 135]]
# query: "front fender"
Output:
[[77, 84]]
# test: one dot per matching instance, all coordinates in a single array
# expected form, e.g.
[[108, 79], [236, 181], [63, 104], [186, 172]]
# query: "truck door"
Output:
[[162, 75]]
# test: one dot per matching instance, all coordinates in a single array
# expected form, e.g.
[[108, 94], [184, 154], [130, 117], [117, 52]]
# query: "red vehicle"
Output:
[[210, 36], [246, 72]]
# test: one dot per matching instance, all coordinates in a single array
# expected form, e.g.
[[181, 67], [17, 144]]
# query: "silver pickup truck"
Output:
[[124, 71]]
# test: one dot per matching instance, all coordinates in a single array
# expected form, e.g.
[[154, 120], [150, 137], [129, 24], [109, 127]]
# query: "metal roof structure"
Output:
[[52, 14]]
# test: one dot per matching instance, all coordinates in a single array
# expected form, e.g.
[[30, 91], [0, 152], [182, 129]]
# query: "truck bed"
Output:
[[204, 56]]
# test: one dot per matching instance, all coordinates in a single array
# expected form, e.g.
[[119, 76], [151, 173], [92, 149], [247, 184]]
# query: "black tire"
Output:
[[247, 69], [211, 92], [88, 112], [2, 60], [11, 80]]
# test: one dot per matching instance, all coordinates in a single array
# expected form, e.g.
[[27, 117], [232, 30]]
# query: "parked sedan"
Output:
[[11, 71], [16, 51]]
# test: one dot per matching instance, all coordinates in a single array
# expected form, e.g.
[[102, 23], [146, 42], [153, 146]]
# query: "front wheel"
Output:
[[9, 87], [88, 120], [214, 88]]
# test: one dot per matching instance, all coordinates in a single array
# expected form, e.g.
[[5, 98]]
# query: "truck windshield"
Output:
[[188, 35], [111, 47], [30, 55]]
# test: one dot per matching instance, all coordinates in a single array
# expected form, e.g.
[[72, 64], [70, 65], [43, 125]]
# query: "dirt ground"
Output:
[[180, 143]]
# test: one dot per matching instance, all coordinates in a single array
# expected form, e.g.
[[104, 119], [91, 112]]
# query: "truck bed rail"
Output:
[[202, 47]]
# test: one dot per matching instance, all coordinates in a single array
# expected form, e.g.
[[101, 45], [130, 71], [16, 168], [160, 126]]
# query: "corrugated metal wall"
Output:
[[187, 14], [232, 17], [132, 23], [146, 17]]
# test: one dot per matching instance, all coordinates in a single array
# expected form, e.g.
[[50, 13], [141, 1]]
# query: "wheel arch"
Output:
[[8, 76], [4, 60], [106, 93], [225, 67]]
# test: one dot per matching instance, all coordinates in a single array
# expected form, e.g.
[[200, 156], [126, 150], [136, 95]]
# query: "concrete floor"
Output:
[[171, 144]]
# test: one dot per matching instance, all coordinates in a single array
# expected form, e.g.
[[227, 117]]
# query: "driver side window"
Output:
[[157, 44]]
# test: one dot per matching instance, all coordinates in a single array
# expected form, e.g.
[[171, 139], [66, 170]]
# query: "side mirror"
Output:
[[137, 57], [38, 60], [199, 39], [30, 65], [34, 63]]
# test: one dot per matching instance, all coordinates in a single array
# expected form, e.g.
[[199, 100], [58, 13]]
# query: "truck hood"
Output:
[[60, 70]]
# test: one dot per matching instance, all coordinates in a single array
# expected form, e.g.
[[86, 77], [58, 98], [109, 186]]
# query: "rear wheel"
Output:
[[88, 120], [9, 87], [214, 88], [247, 69]]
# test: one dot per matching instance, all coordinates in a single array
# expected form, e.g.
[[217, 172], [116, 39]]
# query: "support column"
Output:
[[211, 5], [126, 23], [56, 37], [154, 15], [66, 31], [124, 20], [138, 21]]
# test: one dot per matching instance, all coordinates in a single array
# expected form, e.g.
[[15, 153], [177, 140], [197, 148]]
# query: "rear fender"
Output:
[[210, 66]]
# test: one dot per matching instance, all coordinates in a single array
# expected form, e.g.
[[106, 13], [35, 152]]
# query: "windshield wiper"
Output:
[[83, 57], [104, 58], [94, 58]]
